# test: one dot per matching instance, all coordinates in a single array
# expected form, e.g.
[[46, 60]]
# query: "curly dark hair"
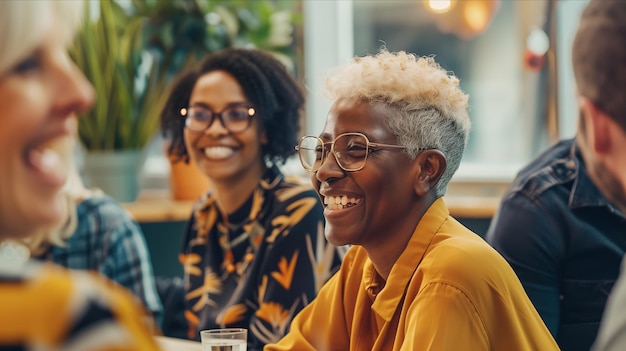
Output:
[[266, 83]]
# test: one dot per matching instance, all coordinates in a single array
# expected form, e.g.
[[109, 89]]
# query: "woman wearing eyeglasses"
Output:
[[415, 278], [254, 252]]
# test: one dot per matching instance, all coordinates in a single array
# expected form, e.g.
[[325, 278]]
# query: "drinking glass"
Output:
[[229, 339]]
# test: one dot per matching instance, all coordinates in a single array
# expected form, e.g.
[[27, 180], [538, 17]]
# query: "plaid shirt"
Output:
[[109, 241]]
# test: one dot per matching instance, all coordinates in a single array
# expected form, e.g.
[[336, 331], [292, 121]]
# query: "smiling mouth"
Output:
[[340, 202], [47, 163], [218, 152]]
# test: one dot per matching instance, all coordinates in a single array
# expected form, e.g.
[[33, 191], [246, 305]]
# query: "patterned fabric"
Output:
[[44, 307], [259, 266], [448, 291], [109, 241]]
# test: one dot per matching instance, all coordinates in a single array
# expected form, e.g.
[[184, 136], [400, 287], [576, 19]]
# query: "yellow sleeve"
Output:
[[443, 318]]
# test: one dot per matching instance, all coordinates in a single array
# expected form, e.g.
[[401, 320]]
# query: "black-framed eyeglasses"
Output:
[[235, 118], [350, 151]]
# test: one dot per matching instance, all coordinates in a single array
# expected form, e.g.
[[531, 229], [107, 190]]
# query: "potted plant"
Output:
[[131, 53], [129, 89]]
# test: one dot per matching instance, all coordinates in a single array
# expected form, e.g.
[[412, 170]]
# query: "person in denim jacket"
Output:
[[599, 62], [564, 240], [561, 235]]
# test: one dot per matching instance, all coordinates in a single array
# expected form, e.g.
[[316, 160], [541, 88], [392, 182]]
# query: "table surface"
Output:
[[173, 344], [158, 206]]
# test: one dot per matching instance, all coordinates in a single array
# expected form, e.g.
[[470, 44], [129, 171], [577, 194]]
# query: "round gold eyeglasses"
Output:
[[350, 151]]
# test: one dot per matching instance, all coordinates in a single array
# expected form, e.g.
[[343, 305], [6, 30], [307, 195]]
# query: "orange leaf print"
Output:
[[189, 263], [257, 240], [288, 193], [257, 204], [232, 314], [228, 259], [284, 276], [272, 313], [301, 208], [212, 285], [192, 321], [297, 211], [206, 222], [263, 288]]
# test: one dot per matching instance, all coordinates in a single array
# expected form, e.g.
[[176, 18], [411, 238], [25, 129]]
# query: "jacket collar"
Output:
[[584, 192]]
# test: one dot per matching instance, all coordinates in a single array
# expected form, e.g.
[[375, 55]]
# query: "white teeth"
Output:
[[48, 163], [218, 152], [49, 159], [46, 159], [340, 202]]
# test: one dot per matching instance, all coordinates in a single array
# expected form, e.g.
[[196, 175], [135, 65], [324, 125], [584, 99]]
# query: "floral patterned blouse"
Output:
[[258, 267]]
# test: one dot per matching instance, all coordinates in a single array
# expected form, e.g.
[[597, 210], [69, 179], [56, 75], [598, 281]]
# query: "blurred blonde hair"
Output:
[[24, 23]]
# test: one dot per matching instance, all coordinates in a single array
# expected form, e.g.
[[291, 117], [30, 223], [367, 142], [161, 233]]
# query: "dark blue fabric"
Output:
[[564, 240]]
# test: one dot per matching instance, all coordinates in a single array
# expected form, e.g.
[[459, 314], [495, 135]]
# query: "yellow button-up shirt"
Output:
[[448, 290]]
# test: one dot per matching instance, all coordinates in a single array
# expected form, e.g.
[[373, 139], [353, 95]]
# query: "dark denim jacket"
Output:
[[564, 240]]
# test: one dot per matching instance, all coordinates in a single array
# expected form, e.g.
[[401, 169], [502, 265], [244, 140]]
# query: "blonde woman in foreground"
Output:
[[415, 278], [43, 306], [97, 234]]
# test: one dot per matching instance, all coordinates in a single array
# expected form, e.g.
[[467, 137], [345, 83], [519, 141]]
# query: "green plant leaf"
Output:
[[130, 54]]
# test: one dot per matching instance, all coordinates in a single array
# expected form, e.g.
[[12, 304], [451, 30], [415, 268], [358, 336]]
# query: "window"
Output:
[[509, 103], [514, 114]]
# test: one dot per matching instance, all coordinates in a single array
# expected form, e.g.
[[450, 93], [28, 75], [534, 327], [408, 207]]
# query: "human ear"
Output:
[[430, 164], [597, 126]]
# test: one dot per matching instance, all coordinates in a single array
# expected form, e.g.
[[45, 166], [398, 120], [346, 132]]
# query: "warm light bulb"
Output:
[[476, 15], [538, 42], [439, 6]]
